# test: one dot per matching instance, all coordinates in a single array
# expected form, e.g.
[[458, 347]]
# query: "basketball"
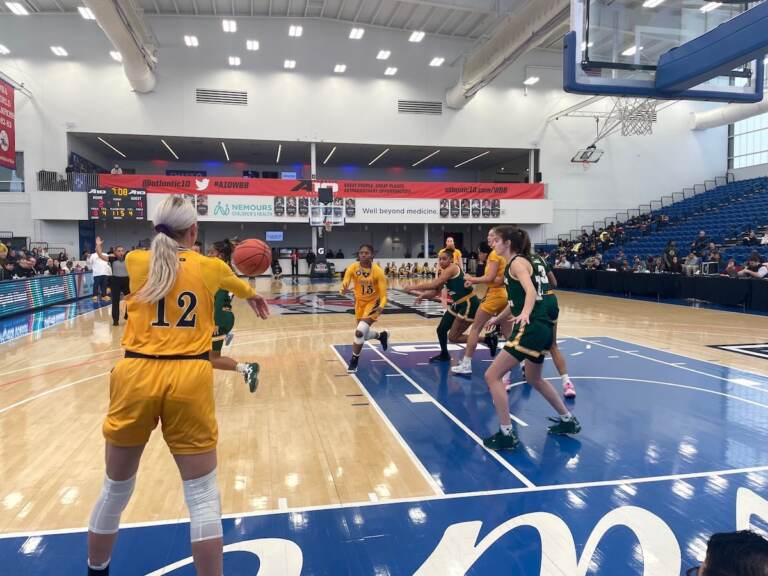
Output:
[[252, 257]]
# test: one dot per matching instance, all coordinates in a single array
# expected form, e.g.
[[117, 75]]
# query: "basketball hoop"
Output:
[[637, 115], [327, 225]]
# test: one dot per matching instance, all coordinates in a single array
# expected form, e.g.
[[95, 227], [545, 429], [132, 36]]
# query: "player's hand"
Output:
[[259, 305], [523, 319], [468, 282], [99, 241], [491, 324]]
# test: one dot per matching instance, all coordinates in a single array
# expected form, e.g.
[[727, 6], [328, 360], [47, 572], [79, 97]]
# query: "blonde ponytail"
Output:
[[173, 218]]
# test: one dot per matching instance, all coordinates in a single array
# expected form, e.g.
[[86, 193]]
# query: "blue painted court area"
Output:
[[672, 450]]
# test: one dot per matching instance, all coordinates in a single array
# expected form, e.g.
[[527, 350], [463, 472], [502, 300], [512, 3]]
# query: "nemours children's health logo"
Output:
[[242, 209]]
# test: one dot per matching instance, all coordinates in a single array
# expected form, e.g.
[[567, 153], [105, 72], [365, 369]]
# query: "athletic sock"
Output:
[[466, 361], [372, 335], [356, 355], [564, 378], [241, 367], [100, 570], [567, 417], [506, 429]]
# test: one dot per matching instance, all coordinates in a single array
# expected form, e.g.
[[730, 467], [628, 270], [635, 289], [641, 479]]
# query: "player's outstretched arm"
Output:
[[228, 281], [435, 284]]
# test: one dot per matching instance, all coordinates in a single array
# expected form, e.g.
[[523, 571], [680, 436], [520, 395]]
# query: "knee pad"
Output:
[[362, 329], [204, 503], [114, 497]]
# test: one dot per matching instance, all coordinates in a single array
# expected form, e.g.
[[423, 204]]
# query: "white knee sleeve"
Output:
[[204, 503], [114, 497], [363, 328]]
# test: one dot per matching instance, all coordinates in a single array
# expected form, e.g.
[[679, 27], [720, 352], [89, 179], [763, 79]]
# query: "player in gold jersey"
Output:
[[166, 377], [493, 304], [370, 299]]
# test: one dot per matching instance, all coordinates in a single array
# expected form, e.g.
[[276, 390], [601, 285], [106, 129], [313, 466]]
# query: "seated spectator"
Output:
[[699, 243], [6, 271], [638, 265], [754, 267], [710, 251], [743, 553], [51, 268], [730, 269], [751, 239], [650, 264], [670, 253], [691, 264], [24, 268], [675, 267], [65, 267], [339, 254], [562, 262]]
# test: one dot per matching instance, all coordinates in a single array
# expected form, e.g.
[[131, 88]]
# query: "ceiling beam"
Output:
[[445, 21], [376, 12], [359, 7], [410, 16], [483, 18], [213, 7], [426, 18], [251, 7], [194, 5], [233, 7], [176, 6], [157, 8], [340, 10], [61, 7], [394, 13]]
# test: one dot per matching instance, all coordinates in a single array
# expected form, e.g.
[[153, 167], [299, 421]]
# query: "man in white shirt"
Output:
[[116, 169], [101, 274]]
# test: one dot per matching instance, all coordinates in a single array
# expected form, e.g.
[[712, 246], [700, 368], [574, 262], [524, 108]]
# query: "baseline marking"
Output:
[[51, 391]]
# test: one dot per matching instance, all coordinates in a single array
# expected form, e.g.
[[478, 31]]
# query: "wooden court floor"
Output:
[[308, 437]]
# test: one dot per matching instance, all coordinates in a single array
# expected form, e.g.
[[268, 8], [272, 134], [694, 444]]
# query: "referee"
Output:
[[118, 282]]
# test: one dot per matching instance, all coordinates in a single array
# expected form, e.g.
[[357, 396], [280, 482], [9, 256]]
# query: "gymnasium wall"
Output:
[[88, 92]]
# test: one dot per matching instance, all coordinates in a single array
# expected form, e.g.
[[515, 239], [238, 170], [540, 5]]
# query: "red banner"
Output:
[[344, 188], [7, 126]]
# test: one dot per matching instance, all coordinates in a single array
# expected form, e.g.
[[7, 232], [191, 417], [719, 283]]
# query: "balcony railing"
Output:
[[70, 182]]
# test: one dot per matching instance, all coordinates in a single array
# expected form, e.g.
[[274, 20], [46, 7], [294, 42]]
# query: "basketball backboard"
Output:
[[615, 45]]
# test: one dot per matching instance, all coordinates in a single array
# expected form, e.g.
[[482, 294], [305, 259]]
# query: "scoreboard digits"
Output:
[[117, 203]]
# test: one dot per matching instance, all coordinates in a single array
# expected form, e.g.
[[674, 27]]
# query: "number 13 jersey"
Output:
[[181, 324]]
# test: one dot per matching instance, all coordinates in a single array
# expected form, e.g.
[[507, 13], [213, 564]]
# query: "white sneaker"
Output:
[[462, 367]]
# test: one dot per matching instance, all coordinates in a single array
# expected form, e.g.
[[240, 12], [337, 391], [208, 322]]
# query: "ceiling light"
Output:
[[279, 151], [377, 157], [473, 158], [531, 80], [652, 3], [383, 54], [710, 6], [340, 68], [631, 51], [59, 51], [116, 55], [295, 31], [191, 41], [17, 8], [329, 156], [226, 153], [425, 158], [234, 60], [436, 61], [356, 33], [417, 36], [169, 148], [252, 45], [4, 50], [390, 71], [229, 26], [289, 64], [86, 13], [110, 145]]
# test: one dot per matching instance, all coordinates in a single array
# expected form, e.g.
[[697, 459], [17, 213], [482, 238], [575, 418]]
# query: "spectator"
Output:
[[340, 254], [754, 267], [691, 264], [676, 267], [743, 553], [638, 265], [730, 269], [277, 270], [116, 169], [24, 268], [751, 239], [101, 274], [197, 247], [764, 240], [562, 262], [700, 242], [62, 257], [650, 264], [52, 267], [65, 267], [310, 258], [670, 253]]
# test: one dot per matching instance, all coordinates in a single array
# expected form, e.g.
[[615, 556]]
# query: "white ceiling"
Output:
[[469, 19]]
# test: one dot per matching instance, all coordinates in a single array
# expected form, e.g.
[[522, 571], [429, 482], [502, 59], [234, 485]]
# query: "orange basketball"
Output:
[[252, 257]]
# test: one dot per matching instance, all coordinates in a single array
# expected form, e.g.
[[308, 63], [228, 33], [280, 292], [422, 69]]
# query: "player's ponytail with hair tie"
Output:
[[172, 218]]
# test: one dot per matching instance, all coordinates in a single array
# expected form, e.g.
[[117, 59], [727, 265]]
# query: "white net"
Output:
[[637, 115]]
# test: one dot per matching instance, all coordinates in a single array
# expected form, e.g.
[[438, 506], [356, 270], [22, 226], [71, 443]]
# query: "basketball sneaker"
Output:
[[501, 441], [561, 426], [352, 368], [384, 339], [228, 338], [440, 358], [463, 367], [569, 390], [492, 341], [251, 376]]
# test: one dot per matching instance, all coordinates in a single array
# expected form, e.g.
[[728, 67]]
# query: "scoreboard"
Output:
[[117, 203]]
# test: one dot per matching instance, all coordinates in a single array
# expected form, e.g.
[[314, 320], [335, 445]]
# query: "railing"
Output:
[[71, 181]]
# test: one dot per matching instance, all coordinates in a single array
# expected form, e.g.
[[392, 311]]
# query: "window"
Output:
[[13, 180], [748, 142]]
